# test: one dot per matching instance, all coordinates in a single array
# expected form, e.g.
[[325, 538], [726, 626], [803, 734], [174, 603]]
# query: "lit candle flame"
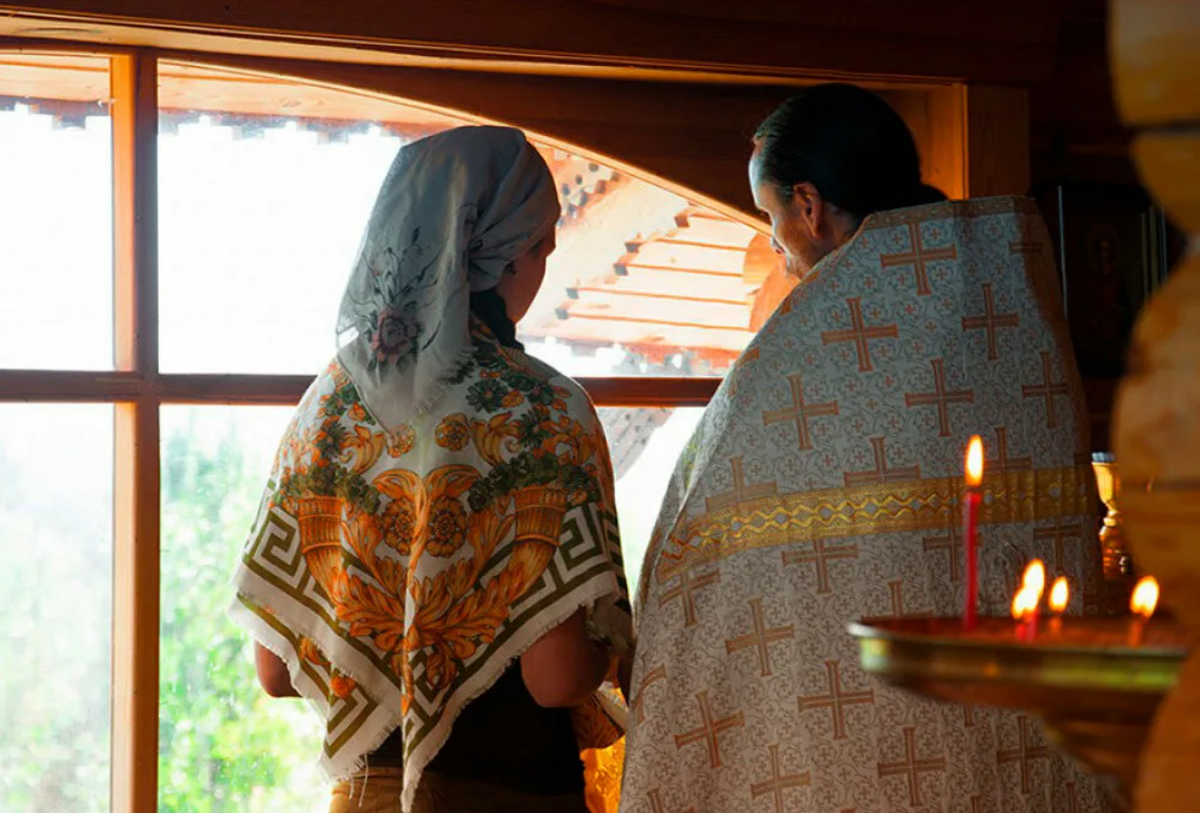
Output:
[[1060, 595], [1024, 603], [1145, 597], [975, 462], [1035, 579]]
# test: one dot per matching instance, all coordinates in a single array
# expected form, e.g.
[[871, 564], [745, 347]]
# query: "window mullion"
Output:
[[136, 488]]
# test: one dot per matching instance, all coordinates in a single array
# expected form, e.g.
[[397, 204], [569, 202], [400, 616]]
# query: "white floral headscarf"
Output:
[[454, 210]]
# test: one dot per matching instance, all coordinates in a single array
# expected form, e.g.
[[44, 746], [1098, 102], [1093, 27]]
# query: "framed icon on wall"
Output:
[[1114, 246]]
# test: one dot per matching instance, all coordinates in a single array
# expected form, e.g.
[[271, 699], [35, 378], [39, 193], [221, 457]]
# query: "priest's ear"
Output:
[[807, 207]]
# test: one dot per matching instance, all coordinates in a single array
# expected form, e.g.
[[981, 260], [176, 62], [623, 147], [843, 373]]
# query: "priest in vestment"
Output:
[[824, 484]]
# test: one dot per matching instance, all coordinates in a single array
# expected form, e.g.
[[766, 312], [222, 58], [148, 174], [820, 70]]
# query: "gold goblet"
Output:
[[1118, 565]]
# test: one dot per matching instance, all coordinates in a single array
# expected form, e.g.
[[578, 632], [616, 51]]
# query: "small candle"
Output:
[[1060, 597], [1023, 606], [1142, 604], [1035, 578], [974, 478], [1033, 583]]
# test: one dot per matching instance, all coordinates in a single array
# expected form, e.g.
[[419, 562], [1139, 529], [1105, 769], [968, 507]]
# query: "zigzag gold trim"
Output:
[[914, 505]]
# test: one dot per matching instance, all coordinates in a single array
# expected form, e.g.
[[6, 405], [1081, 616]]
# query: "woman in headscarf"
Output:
[[435, 565]]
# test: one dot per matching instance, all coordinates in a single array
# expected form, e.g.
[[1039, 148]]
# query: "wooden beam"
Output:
[[997, 141], [135, 212], [56, 386], [136, 495], [628, 391], [650, 391], [280, 390], [986, 40], [52, 386]]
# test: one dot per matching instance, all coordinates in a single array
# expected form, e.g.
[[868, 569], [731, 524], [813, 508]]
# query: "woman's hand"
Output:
[[565, 667], [273, 673]]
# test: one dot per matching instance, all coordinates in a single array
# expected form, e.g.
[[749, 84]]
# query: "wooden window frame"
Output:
[[137, 391]]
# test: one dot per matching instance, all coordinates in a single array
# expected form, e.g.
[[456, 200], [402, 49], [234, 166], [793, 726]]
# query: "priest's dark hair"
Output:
[[848, 143]]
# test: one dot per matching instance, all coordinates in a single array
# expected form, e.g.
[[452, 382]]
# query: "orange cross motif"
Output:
[[917, 258], [800, 412], [940, 397], [881, 473], [1047, 389], [1002, 462], [686, 589], [820, 555], [741, 492], [657, 806], [860, 334], [837, 699], [896, 594], [912, 767], [658, 673], [1060, 534], [761, 639], [777, 784], [951, 543], [710, 729], [990, 321], [1024, 753]]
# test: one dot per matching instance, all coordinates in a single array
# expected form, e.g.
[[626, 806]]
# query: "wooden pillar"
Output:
[[1157, 421], [136, 486], [996, 140]]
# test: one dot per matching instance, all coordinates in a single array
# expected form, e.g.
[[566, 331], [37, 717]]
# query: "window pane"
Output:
[[55, 213], [644, 443], [261, 216], [224, 745], [55, 632]]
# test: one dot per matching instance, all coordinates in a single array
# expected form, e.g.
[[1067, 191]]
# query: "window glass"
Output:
[[224, 745], [261, 215], [644, 444], [56, 470], [56, 213]]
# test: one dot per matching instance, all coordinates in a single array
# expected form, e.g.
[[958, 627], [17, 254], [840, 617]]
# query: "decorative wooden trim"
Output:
[[136, 509]]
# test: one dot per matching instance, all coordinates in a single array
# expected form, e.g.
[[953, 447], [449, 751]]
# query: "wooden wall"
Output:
[[994, 41], [1076, 133]]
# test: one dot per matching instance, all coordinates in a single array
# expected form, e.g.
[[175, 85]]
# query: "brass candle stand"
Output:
[[1096, 694]]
